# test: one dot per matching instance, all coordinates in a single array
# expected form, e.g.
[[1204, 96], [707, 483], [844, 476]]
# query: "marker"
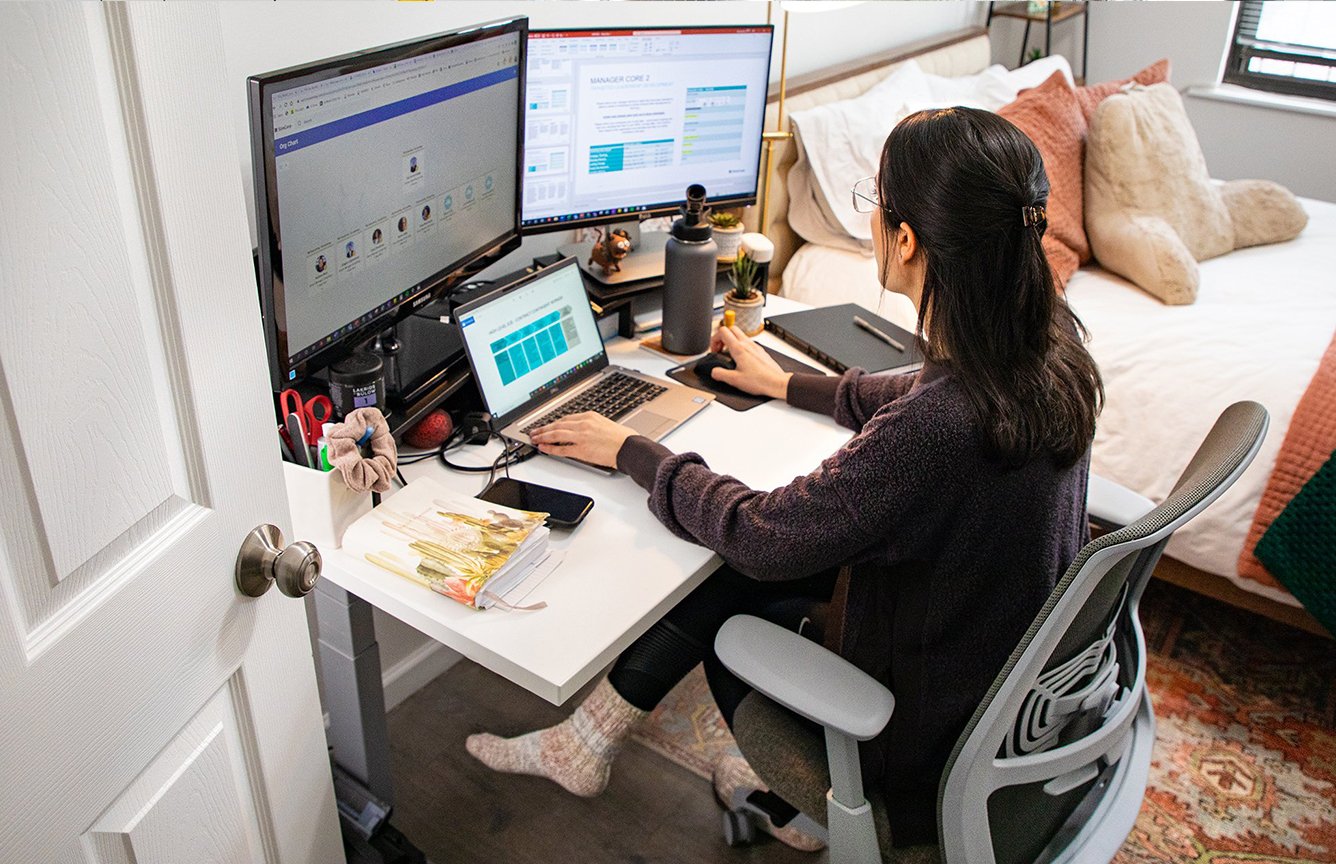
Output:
[[863, 325]]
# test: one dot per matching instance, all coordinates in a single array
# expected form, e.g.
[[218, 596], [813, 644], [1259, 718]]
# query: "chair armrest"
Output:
[[804, 677], [1114, 506]]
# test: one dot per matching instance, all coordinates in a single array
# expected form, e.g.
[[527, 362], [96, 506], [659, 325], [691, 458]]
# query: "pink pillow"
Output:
[[1090, 97], [1050, 115]]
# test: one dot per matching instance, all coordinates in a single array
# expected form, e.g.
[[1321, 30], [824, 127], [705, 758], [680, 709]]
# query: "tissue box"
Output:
[[321, 505]]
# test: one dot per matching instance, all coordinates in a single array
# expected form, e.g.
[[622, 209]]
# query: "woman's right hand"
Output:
[[756, 373]]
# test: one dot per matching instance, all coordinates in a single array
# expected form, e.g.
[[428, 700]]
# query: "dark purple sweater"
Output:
[[952, 554]]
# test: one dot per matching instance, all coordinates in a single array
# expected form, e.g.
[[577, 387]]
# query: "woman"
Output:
[[956, 505]]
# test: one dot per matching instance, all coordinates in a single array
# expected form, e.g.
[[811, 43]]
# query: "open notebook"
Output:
[[469, 550]]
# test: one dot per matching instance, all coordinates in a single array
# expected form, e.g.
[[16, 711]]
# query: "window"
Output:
[[1285, 47]]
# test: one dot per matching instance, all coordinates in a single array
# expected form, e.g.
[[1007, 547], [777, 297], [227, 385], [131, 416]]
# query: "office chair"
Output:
[[1053, 764]]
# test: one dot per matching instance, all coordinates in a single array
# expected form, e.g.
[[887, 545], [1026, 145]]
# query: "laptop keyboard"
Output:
[[614, 397]]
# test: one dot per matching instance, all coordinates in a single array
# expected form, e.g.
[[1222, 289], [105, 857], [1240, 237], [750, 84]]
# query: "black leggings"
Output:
[[655, 662]]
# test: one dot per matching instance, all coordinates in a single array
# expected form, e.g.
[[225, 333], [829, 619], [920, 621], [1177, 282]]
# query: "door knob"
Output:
[[263, 561]]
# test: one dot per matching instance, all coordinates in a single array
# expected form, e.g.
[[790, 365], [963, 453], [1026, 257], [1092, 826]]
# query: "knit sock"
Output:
[[732, 773], [576, 754]]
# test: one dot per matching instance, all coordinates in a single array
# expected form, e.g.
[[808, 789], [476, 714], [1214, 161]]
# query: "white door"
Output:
[[148, 712]]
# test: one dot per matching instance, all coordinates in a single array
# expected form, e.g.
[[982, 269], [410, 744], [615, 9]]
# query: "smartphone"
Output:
[[564, 509]]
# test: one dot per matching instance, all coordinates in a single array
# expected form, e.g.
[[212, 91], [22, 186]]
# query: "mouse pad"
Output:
[[729, 395]]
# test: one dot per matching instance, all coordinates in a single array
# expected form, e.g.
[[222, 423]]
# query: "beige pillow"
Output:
[[1151, 209]]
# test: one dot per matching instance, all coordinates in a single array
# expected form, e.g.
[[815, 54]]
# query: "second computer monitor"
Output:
[[619, 122]]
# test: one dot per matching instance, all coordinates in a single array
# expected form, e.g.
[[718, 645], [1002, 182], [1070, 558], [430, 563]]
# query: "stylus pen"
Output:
[[863, 325]]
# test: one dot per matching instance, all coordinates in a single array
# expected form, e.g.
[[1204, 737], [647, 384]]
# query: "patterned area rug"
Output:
[[1244, 770]]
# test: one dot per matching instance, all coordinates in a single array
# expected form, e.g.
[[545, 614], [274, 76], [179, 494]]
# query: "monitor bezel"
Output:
[[261, 88], [667, 208], [540, 397]]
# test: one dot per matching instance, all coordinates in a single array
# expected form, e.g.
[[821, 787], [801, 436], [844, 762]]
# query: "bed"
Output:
[[1258, 330]]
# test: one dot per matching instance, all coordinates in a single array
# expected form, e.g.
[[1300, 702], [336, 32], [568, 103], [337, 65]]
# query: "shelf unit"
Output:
[[1054, 13]]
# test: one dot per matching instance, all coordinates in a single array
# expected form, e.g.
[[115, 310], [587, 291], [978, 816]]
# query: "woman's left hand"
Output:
[[586, 436]]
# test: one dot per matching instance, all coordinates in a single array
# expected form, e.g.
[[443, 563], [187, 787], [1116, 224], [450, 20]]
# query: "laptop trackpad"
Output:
[[649, 424]]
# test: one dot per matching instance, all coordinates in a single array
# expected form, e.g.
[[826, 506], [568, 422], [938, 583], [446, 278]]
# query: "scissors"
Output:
[[314, 413]]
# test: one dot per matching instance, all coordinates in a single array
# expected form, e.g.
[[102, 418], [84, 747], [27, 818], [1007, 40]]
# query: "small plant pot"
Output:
[[729, 240], [748, 315]]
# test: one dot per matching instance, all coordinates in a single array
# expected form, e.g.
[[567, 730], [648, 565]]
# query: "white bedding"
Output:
[[1261, 322], [850, 133]]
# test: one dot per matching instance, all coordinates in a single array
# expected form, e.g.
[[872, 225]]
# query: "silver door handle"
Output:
[[263, 561]]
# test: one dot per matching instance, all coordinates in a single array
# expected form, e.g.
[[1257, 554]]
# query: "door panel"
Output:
[[202, 769], [81, 350], [152, 712]]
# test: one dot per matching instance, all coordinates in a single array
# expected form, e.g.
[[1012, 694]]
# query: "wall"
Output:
[[260, 37], [1239, 141]]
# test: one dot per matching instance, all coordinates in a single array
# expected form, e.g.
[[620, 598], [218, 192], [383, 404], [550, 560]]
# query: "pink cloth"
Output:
[[364, 473]]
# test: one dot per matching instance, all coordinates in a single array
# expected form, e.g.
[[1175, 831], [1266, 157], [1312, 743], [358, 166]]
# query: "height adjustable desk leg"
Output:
[[354, 694]]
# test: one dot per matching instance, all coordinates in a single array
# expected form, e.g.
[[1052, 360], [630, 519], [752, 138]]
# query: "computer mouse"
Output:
[[706, 365]]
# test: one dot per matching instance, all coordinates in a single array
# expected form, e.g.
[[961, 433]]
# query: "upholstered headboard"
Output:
[[961, 53]]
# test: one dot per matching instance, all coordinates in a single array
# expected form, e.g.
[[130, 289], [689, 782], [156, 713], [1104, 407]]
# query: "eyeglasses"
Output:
[[866, 197]]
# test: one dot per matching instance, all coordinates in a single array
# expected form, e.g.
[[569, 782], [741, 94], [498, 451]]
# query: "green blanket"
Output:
[[1299, 548]]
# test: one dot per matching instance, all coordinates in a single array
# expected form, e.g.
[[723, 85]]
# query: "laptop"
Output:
[[536, 355]]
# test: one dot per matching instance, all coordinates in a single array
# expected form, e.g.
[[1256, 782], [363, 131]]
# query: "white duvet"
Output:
[[1261, 322]]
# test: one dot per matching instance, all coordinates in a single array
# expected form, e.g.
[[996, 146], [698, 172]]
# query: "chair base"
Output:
[[744, 815]]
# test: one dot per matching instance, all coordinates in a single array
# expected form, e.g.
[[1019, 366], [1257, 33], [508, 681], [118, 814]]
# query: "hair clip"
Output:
[[1034, 215]]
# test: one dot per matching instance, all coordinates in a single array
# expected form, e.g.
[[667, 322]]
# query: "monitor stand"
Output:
[[644, 262]]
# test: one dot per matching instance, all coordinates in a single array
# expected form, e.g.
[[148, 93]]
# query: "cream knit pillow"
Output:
[[1151, 210]]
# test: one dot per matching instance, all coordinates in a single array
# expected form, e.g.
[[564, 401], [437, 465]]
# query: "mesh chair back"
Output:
[[1053, 763]]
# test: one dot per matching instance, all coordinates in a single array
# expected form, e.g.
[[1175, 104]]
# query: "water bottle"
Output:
[[690, 265]]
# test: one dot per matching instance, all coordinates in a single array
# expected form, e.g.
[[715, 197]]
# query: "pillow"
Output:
[[1056, 118], [1051, 116], [1090, 97], [1152, 211], [809, 214], [841, 141]]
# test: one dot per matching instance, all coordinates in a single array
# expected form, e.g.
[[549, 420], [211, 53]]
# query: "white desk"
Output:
[[622, 570]]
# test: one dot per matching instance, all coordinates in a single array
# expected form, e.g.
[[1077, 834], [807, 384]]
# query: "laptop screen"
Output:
[[526, 341]]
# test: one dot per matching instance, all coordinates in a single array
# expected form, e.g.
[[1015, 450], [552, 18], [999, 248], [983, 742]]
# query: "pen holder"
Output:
[[322, 505]]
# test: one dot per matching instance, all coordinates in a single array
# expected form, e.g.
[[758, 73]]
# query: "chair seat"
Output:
[[789, 754]]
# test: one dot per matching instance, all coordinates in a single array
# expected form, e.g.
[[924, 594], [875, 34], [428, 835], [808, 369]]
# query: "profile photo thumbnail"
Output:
[[321, 263], [377, 236], [426, 212], [403, 224]]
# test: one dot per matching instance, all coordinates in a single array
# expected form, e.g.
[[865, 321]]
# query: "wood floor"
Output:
[[455, 810]]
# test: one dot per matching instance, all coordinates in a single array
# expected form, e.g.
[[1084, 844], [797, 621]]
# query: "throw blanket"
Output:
[[1300, 546], [1308, 444]]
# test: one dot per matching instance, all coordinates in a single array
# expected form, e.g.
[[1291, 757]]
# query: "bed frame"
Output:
[[963, 52]]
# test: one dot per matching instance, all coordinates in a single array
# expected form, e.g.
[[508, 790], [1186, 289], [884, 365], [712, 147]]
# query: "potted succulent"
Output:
[[747, 299], [727, 233]]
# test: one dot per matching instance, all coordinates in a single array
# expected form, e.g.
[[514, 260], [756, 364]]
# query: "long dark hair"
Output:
[[969, 182]]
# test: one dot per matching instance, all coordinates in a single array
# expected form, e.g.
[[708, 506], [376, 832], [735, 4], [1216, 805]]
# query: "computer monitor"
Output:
[[619, 122], [381, 178]]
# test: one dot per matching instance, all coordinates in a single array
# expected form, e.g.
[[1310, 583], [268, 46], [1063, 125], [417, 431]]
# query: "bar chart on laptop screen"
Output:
[[535, 344]]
